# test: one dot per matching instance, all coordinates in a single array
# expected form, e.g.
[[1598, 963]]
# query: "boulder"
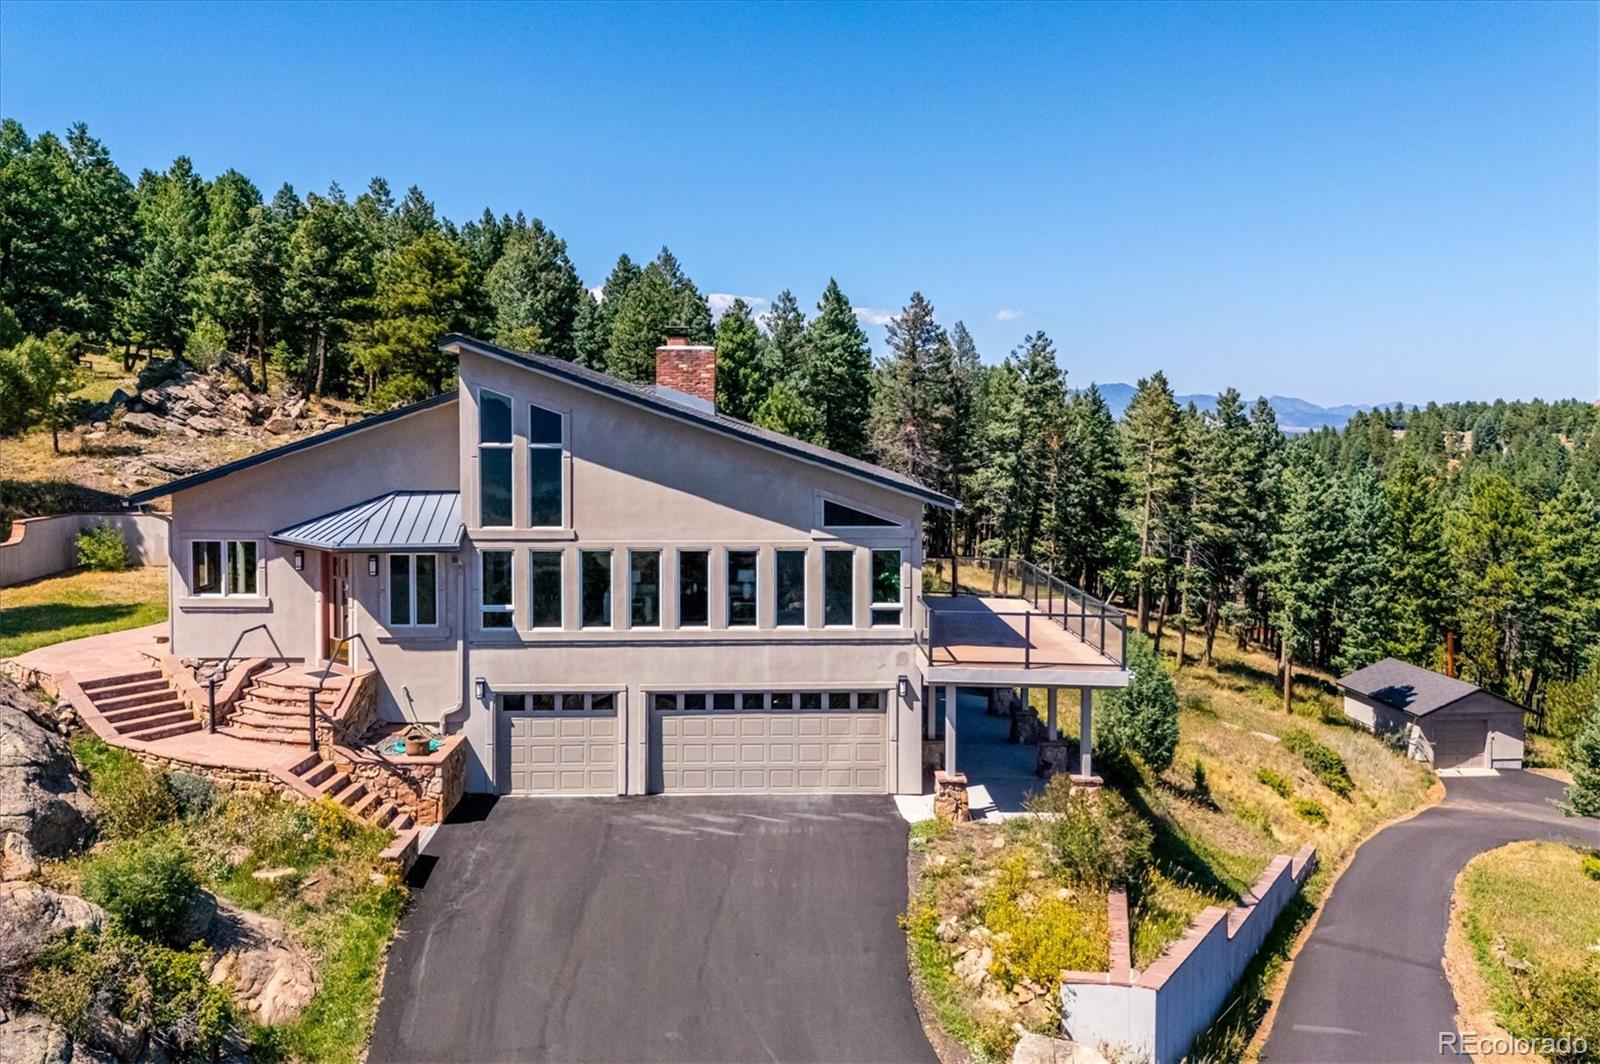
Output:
[[34, 1038], [197, 918], [278, 424], [1042, 1049], [118, 398], [272, 978], [143, 424], [153, 399], [42, 793], [30, 905], [201, 423], [18, 858]]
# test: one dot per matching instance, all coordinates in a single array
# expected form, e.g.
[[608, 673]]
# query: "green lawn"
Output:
[[78, 604]]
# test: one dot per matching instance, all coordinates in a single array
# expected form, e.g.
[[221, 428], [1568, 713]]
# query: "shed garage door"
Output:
[[1459, 743], [769, 743], [558, 744]]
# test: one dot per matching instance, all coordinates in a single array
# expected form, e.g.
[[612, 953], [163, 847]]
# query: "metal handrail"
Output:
[[312, 693], [219, 672], [1075, 610]]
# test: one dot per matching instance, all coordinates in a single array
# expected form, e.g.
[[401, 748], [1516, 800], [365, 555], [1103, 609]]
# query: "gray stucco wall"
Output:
[[41, 546], [1504, 743]]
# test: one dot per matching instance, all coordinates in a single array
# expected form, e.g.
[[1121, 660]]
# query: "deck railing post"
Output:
[[1027, 640], [211, 706], [311, 717]]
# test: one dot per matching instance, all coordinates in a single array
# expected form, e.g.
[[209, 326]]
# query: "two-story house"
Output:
[[607, 587]]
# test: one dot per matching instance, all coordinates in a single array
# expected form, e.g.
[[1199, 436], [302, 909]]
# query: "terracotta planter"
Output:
[[416, 747]]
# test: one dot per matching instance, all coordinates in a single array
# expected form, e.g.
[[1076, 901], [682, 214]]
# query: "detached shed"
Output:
[[1448, 723]]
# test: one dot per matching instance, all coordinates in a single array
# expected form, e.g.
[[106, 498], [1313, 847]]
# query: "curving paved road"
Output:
[[657, 929], [1369, 984]]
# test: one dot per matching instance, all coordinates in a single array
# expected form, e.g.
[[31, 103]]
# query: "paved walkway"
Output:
[[96, 656], [1369, 984], [1000, 773], [670, 929]]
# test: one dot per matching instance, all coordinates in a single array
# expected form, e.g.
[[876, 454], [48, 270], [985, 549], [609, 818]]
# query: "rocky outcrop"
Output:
[[272, 978], [180, 402], [34, 1039], [42, 795], [38, 907]]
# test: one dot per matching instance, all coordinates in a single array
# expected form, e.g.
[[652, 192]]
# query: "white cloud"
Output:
[[721, 301], [873, 316], [599, 293], [1007, 314]]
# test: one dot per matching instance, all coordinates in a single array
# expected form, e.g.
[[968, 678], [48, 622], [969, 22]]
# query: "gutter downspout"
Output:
[[461, 656]]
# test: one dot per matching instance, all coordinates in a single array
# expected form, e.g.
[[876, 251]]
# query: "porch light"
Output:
[[904, 688], [480, 688], [372, 565], [299, 561]]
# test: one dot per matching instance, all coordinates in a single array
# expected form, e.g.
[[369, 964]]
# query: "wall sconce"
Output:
[[480, 688], [372, 565], [904, 688], [299, 561]]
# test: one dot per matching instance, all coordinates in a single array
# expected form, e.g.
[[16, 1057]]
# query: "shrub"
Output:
[[83, 980], [147, 885], [1324, 762], [1035, 937], [192, 794], [1583, 795], [1591, 865], [1275, 781], [1308, 809], [101, 546], [1560, 1003], [130, 799], [1093, 837], [1142, 718], [1201, 786]]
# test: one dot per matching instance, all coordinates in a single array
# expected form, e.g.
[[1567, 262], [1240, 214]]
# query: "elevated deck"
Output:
[[1009, 642]]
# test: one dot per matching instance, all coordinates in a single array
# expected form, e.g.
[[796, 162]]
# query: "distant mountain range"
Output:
[[1294, 415]]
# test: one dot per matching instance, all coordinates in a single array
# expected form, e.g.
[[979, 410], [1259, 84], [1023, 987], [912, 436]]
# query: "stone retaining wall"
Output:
[[1156, 1014], [427, 787]]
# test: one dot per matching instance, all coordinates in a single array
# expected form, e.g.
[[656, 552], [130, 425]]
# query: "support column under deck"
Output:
[[1085, 730], [949, 728], [1050, 714]]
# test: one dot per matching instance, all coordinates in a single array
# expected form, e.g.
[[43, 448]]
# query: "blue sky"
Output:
[[1346, 203]]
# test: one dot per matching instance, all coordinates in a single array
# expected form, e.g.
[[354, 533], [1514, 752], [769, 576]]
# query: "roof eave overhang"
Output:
[[455, 343]]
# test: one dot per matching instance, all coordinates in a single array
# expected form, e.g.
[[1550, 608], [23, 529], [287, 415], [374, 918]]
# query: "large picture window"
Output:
[[494, 460], [495, 588], [741, 589], [222, 567], [694, 588], [886, 602], [839, 587], [594, 578], [544, 607], [545, 508], [791, 589], [644, 588], [413, 590]]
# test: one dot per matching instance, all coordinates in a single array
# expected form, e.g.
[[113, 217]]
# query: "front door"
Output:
[[336, 595]]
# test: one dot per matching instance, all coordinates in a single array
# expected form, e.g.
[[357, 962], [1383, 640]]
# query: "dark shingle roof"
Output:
[[400, 520], [1407, 687], [205, 476], [646, 396]]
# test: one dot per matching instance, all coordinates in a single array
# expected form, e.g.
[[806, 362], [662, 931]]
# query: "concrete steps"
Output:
[[141, 705]]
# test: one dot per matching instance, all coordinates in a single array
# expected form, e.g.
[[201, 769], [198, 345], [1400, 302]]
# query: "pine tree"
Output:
[[741, 368], [1490, 532], [1142, 718], [785, 410], [1152, 446], [1265, 468], [328, 280], [588, 336], [1222, 510], [639, 324], [903, 403], [788, 353], [624, 275], [1089, 490], [1418, 575], [1297, 573], [1361, 566], [535, 291], [1583, 793], [171, 216], [1565, 625], [223, 284], [421, 295], [833, 371]]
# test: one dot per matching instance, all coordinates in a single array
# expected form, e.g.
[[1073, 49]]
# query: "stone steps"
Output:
[[89, 687], [140, 705], [323, 779], [119, 717], [256, 735]]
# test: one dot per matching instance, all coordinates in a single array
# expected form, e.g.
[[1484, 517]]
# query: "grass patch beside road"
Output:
[[1532, 920], [77, 604]]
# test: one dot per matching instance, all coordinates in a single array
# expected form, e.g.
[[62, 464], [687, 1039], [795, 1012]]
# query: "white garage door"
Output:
[[558, 744], [833, 742], [1459, 743]]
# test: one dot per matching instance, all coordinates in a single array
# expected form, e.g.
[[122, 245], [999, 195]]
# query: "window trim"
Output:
[[388, 587], [639, 552], [611, 589], [852, 552], [755, 592], [900, 578], [224, 569], [561, 590], [777, 587], [678, 560], [485, 608], [509, 446], [560, 447]]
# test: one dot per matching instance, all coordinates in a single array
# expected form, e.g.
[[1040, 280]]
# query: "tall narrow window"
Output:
[[886, 602], [791, 601], [544, 609], [741, 588], [644, 588], [694, 588], [494, 460], [544, 468], [496, 589], [205, 572], [413, 590], [241, 567], [595, 588], [839, 587]]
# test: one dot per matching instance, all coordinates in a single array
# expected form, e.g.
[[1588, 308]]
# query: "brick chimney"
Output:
[[687, 372]]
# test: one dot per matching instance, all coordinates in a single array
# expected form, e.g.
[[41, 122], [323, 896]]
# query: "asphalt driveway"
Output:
[[1369, 984], [681, 929]]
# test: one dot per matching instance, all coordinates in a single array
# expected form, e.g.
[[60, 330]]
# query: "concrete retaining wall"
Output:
[[40, 546], [1157, 1014]]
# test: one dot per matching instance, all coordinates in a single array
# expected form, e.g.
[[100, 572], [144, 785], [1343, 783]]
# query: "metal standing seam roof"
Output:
[[1408, 687], [400, 520]]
